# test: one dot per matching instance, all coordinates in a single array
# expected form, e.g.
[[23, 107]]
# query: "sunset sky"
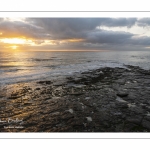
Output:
[[74, 34]]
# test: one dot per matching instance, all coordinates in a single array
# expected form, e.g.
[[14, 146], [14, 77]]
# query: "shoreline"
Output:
[[101, 100]]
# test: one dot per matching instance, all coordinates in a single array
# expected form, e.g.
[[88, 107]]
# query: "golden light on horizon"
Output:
[[14, 47], [13, 43], [72, 40], [21, 42], [14, 40], [56, 42], [75, 40]]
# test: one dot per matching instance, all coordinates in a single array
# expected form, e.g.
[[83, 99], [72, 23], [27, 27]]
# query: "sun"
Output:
[[14, 43], [14, 40], [14, 47], [20, 41]]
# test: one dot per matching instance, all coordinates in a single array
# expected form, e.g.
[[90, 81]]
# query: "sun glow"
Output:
[[20, 43], [14, 47], [15, 40], [71, 40]]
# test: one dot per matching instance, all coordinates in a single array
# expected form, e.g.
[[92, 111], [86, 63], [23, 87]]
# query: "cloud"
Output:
[[59, 28], [118, 22], [104, 36], [18, 29], [144, 22], [63, 28], [76, 33], [143, 41]]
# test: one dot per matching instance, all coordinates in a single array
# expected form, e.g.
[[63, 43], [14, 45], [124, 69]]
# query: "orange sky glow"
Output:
[[15, 43]]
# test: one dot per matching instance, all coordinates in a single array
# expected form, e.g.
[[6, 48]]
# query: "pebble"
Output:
[[117, 113], [55, 113], [71, 111], [84, 124], [89, 119], [120, 100], [122, 94], [58, 88], [25, 98], [76, 93], [79, 86], [131, 105], [87, 98], [148, 114]]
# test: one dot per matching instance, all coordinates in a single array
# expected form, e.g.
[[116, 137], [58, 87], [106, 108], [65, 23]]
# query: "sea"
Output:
[[25, 66]]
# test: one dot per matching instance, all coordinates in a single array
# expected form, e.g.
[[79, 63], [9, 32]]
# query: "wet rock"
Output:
[[27, 103], [146, 124], [56, 97], [25, 97], [67, 116], [101, 72], [87, 98], [58, 88], [122, 105], [89, 119], [119, 99], [136, 120], [94, 107], [79, 86], [2, 94], [70, 110], [121, 81], [58, 83], [76, 93], [117, 113], [131, 105], [14, 97], [122, 94], [137, 110], [55, 113], [44, 82]]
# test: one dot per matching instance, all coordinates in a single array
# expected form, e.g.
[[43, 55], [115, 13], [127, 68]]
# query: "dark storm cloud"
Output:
[[144, 40], [118, 22], [104, 36], [63, 28], [111, 40], [117, 38], [80, 24]]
